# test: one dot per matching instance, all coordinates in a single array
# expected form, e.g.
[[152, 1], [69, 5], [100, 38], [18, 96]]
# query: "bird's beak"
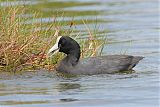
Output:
[[53, 50]]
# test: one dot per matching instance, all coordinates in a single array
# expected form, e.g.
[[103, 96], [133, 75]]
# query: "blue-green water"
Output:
[[132, 28]]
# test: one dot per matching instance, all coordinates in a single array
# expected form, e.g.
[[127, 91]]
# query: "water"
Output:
[[132, 28]]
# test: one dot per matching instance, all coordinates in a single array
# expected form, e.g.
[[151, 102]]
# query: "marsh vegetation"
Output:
[[24, 43]]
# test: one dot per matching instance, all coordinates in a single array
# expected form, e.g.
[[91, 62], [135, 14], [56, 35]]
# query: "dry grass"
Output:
[[24, 46]]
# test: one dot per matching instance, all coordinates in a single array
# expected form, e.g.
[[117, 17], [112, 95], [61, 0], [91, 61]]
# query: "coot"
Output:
[[92, 65]]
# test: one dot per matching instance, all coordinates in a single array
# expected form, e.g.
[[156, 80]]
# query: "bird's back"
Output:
[[105, 64]]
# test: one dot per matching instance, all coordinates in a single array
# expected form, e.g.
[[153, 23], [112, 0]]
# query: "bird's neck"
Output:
[[73, 57]]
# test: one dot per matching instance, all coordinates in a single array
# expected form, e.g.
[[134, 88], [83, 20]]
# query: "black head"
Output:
[[66, 45]]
